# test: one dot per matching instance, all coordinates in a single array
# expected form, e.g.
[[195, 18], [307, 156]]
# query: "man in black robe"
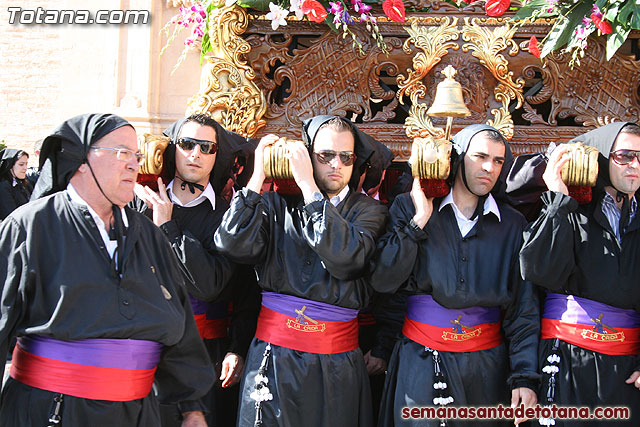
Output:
[[94, 294], [189, 210], [586, 259], [311, 253], [456, 257]]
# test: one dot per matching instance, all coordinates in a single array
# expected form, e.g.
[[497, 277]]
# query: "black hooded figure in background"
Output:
[[470, 335], [311, 253], [198, 164], [586, 258], [93, 292], [15, 190]]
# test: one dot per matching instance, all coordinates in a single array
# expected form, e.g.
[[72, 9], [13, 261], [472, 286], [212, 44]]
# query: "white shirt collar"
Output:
[[110, 244], [335, 200], [208, 193], [490, 205]]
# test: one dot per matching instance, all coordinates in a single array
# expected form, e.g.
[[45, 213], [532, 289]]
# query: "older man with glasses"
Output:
[[311, 253], [93, 292], [586, 259]]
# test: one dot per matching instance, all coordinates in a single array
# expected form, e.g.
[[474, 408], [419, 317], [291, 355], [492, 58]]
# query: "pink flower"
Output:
[[336, 8]]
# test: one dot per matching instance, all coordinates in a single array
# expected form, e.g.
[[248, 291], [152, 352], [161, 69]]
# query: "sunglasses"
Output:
[[206, 147], [325, 156], [624, 157]]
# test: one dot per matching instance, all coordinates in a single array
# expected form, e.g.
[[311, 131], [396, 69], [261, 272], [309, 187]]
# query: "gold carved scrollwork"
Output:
[[227, 89], [486, 45], [152, 146], [434, 43]]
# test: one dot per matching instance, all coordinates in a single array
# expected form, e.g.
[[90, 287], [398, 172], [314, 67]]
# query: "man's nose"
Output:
[[196, 152]]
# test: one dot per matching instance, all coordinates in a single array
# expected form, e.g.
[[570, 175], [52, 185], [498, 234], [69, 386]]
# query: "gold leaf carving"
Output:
[[227, 89]]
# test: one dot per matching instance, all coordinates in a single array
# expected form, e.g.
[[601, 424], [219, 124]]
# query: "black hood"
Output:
[[364, 145], [8, 158], [461, 145], [67, 147], [603, 139], [232, 147]]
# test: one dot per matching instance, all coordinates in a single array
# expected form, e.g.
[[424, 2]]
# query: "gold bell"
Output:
[[449, 101]]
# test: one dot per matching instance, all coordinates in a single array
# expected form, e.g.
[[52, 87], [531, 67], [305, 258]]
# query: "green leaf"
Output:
[[615, 40], [255, 4], [635, 21], [625, 11], [528, 9], [612, 13], [564, 29]]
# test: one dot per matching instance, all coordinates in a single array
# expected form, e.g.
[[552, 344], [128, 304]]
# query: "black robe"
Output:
[[190, 232], [318, 252], [571, 249], [58, 281], [480, 269], [13, 196]]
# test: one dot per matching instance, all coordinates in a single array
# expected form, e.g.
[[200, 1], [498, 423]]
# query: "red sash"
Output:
[[211, 328], [323, 337], [482, 337], [114, 370], [624, 341]]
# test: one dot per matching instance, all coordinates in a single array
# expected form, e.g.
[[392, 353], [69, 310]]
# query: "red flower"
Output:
[[533, 47], [314, 10], [603, 26], [496, 7], [394, 9]]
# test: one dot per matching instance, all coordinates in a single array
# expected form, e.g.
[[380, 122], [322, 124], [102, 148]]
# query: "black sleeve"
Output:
[[185, 372], [243, 235], [345, 246], [207, 271], [7, 201], [246, 306], [389, 312], [521, 325], [398, 248], [547, 255], [15, 278]]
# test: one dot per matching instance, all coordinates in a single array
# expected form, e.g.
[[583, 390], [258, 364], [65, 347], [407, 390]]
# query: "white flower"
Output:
[[550, 369], [553, 358], [295, 8], [260, 394], [277, 16], [547, 421], [261, 379], [439, 385]]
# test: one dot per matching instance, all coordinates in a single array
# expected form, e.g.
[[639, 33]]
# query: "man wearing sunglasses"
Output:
[[197, 163], [586, 258], [311, 253]]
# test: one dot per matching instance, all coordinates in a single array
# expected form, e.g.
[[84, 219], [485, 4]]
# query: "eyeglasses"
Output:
[[124, 154], [206, 147], [624, 157], [325, 156]]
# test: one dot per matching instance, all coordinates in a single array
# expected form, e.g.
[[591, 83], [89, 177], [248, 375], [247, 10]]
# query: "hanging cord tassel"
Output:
[[55, 417], [439, 383], [261, 390], [551, 369]]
